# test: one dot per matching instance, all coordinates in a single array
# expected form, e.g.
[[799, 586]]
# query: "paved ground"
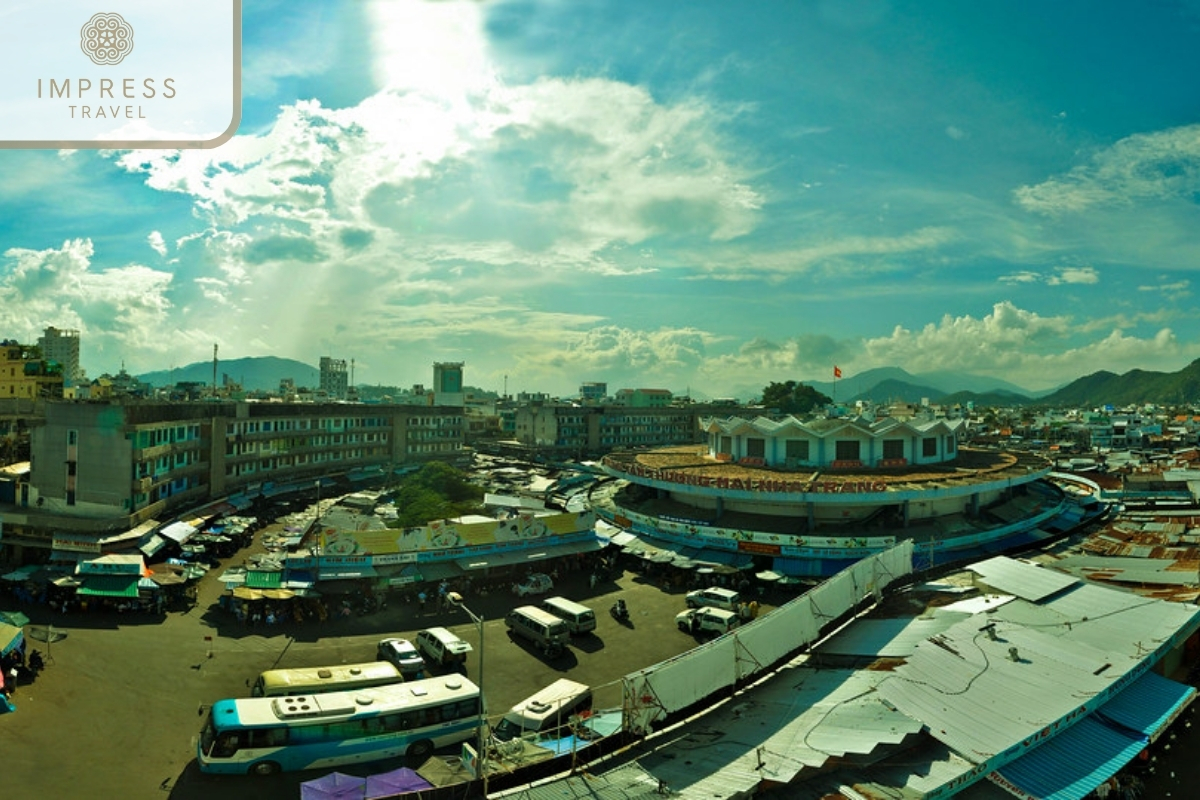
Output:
[[117, 710]]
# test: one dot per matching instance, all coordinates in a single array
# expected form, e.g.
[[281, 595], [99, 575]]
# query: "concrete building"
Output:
[[808, 497], [109, 466], [574, 429], [63, 346], [642, 398], [593, 393], [448, 384], [334, 378], [25, 373]]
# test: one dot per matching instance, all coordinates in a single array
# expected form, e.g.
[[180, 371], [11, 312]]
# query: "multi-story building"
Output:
[[598, 429], [448, 384], [810, 496], [334, 381], [593, 393], [25, 373], [63, 346], [643, 398], [108, 466]]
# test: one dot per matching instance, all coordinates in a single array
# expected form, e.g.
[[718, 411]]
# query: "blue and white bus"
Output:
[[264, 735]]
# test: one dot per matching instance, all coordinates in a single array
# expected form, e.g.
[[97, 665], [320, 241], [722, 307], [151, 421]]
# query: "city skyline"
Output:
[[699, 196]]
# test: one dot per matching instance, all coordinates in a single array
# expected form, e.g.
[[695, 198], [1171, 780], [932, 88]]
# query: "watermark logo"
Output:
[[106, 38], [72, 78]]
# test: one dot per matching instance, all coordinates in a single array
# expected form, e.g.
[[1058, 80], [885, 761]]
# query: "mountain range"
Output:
[[879, 385]]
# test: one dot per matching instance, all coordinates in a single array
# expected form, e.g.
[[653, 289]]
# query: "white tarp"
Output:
[[659, 690]]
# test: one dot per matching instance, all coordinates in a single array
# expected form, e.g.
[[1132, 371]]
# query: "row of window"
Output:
[[156, 437], [844, 449]]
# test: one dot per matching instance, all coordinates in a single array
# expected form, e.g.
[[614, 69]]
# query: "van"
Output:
[[441, 647], [315, 680], [546, 711], [707, 619], [547, 632], [579, 618], [714, 597]]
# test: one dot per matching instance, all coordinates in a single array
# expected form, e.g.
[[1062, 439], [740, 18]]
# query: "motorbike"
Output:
[[620, 611]]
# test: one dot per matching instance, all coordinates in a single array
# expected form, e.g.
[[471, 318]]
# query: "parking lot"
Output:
[[118, 708]]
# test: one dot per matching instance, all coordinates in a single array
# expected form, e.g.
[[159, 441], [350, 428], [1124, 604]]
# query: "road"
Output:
[[118, 708]]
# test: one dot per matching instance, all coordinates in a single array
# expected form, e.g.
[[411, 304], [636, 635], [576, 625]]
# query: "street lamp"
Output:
[[456, 600]]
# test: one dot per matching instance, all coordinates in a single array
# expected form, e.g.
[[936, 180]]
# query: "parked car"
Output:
[[707, 620], [715, 597], [443, 648], [404, 655], [534, 583]]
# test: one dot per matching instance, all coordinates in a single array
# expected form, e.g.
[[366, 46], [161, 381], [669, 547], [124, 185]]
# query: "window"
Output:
[[893, 448], [756, 448], [72, 438], [796, 449], [847, 449], [726, 445], [929, 447]]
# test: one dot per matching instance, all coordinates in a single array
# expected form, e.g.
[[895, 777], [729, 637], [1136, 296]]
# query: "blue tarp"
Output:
[[334, 786], [398, 781]]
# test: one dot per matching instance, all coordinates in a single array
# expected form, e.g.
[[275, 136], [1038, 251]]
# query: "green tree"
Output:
[[793, 397], [436, 491]]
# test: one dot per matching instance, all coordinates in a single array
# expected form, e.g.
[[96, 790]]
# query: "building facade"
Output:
[[448, 384], [112, 465], [573, 429], [63, 346], [26, 374], [808, 497], [334, 378]]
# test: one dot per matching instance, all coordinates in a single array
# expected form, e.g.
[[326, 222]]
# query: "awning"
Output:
[[1072, 763], [178, 532], [109, 585], [257, 579], [527, 555], [11, 637], [347, 572], [299, 579], [727, 557], [439, 570], [621, 538], [152, 545], [1148, 705]]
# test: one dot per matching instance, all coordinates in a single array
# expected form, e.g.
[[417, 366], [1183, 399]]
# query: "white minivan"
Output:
[[441, 647], [545, 712], [579, 618]]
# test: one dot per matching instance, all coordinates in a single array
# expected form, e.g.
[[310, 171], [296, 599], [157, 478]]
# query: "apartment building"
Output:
[[111, 465], [24, 373], [597, 429]]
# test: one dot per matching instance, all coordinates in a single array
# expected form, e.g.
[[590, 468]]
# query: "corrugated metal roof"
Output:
[[964, 686], [629, 782], [1071, 764], [1148, 704], [802, 718], [888, 638], [1024, 580]]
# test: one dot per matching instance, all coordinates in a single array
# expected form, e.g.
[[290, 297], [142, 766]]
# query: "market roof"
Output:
[[1021, 579]]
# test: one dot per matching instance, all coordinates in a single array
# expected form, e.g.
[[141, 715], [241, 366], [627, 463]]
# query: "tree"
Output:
[[793, 397]]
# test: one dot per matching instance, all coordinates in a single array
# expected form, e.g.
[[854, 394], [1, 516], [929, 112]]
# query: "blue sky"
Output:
[[705, 195]]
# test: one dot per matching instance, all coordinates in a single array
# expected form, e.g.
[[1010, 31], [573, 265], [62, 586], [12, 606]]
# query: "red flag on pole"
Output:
[[837, 372]]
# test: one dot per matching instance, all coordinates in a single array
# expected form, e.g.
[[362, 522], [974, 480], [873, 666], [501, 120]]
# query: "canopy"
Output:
[[334, 786], [14, 618], [398, 781], [109, 585], [11, 638]]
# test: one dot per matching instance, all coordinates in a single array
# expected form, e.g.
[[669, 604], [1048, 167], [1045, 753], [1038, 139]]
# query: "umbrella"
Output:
[[768, 576], [398, 781], [246, 593], [334, 786], [14, 618]]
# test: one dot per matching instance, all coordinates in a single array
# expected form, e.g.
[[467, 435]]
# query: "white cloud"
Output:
[[1143, 167], [117, 310], [157, 243], [956, 133], [1084, 275]]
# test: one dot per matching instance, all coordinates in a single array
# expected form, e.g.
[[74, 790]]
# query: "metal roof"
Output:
[[629, 782], [1024, 580], [971, 695], [1129, 569], [802, 718], [894, 637], [1148, 704], [1068, 766]]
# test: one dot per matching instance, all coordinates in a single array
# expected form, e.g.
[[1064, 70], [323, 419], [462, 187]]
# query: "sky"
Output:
[[704, 197]]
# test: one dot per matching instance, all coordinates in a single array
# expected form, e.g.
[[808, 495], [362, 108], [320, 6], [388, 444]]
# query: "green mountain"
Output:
[[254, 374], [1135, 386]]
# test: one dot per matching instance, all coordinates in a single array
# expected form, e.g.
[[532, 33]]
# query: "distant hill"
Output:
[[261, 373], [996, 398], [894, 383], [1135, 386]]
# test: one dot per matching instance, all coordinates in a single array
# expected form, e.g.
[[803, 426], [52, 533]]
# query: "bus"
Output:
[[265, 735], [315, 680]]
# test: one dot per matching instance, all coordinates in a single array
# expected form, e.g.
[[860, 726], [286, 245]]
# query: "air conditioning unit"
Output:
[[145, 484]]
